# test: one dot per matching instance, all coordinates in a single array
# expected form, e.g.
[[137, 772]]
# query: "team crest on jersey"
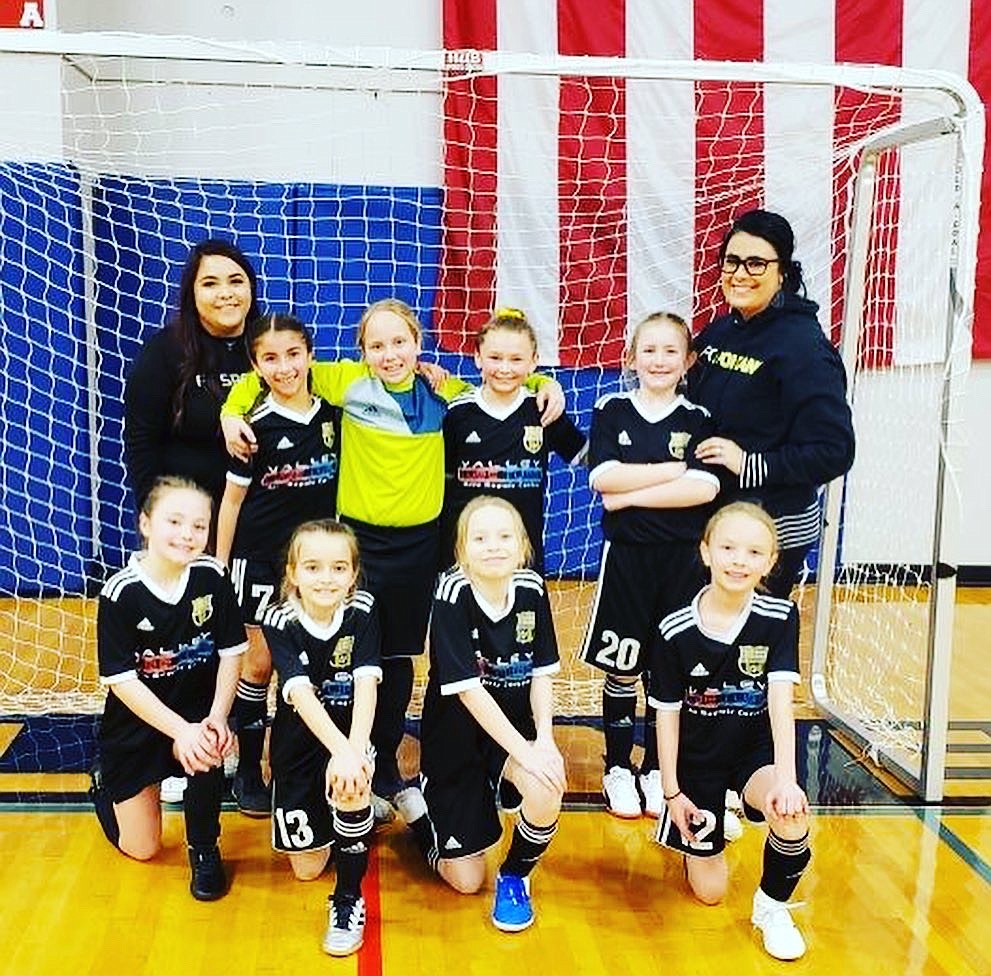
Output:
[[752, 659], [327, 432], [202, 609], [533, 438], [341, 658], [677, 444], [526, 624]]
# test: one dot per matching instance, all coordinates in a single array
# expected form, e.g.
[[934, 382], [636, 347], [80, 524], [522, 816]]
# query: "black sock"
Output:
[[619, 709], [352, 836], [201, 807], [104, 807], [784, 862], [650, 762], [426, 839], [248, 716], [527, 847], [389, 725]]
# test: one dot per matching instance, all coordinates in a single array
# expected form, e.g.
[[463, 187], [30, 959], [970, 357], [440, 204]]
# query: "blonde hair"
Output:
[[316, 527], [486, 501], [511, 320], [653, 319], [397, 307], [747, 509]]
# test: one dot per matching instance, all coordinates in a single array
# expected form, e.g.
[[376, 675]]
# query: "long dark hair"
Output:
[[776, 230], [196, 353]]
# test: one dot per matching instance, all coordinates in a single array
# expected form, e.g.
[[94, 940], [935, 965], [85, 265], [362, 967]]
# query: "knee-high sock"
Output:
[[201, 807], [389, 725], [352, 837], [249, 714], [528, 846], [784, 862], [619, 708]]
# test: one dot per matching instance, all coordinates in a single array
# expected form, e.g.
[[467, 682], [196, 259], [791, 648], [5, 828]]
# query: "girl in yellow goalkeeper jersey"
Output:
[[390, 491]]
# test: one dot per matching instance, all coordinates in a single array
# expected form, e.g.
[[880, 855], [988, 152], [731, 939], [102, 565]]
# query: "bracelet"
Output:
[[672, 796]]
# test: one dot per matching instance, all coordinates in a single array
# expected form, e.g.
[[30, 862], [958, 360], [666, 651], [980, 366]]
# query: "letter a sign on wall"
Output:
[[22, 13]]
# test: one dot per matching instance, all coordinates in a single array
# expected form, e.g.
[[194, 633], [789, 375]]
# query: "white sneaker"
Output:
[[173, 788], [620, 791], [410, 804], [345, 927], [653, 793], [780, 933], [732, 826]]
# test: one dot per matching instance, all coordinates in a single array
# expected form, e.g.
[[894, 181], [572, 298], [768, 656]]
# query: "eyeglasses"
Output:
[[754, 266]]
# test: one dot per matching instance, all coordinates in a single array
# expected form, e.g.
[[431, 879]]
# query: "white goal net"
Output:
[[588, 191]]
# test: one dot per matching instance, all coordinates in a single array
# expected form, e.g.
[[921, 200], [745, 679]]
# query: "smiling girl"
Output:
[[325, 645], [291, 478], [722, 679], [169, 640], [642, 460]]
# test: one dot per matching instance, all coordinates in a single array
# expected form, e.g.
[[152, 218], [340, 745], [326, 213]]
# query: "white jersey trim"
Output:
[[119, 679], [456, 687]]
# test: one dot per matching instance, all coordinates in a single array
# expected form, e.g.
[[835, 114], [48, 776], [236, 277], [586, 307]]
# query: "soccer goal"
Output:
[[588, 191]]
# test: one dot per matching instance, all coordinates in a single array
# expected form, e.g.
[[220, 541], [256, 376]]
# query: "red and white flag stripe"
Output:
[[579, 245]]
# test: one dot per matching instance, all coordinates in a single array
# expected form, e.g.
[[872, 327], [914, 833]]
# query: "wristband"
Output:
[[672, 796]]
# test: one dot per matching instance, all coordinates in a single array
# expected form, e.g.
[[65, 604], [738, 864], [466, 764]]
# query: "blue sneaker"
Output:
[[512, 910]]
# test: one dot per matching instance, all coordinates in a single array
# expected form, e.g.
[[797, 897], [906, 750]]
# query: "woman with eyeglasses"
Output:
[[775, 387]]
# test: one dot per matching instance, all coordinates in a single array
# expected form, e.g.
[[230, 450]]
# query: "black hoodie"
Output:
[[776, 386]]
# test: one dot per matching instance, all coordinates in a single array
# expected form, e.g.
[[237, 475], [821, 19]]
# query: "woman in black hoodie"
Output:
[[776, 388]]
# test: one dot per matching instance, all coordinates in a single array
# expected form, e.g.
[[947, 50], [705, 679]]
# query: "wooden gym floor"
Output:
[[895, 887]]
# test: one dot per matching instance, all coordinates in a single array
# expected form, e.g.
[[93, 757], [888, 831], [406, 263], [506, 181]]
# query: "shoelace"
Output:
[[346, 914]]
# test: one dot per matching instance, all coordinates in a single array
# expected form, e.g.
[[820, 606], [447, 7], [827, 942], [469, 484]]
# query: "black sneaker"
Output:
[[253, 797], [208, 881]]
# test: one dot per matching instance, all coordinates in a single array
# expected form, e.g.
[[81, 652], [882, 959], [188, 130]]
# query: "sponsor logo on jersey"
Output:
[[533, 438], [487, 474], [284, 444], [624, 439], [452, 844], [146, 624], [327, 432], [473, 438], [341, 658], [699, 671], [202, 609], [677, 444], [752, 659], [526, 624], [319, 471]]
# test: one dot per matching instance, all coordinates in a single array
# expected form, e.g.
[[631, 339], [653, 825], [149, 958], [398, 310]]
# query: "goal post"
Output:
[[589, 191]]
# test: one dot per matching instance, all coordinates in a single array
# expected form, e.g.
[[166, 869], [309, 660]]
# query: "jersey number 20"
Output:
[[618, 652]]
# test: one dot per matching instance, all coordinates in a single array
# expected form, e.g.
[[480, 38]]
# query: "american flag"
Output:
[[561, 233]]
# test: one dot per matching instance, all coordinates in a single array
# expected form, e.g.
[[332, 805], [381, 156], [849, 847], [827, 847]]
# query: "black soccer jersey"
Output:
[[327, 658], [622, 433], [171, 642], [502, 452], [473, 645], [290, 479], [719, 681]]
